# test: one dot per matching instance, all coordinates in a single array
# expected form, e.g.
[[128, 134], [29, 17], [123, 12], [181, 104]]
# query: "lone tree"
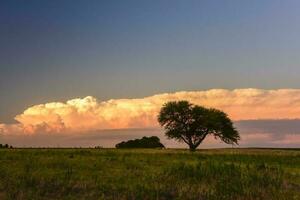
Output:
[[190, 123]]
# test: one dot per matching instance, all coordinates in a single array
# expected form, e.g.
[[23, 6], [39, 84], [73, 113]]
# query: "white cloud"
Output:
[[88, 114]]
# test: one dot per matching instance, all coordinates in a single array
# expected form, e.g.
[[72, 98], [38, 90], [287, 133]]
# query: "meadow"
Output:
[[149, 174]]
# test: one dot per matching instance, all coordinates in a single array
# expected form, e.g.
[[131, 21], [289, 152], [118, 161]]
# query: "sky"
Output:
[[73, 71]]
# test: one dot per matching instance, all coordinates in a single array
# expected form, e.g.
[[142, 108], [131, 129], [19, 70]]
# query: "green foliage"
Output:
[[243, 174], [190, 123], [5, 146], [145, 142]]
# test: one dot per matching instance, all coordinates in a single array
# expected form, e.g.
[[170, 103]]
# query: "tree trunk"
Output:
[[192, 147]]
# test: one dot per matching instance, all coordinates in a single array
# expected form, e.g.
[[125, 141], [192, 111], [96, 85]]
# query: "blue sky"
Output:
[[57, 50]]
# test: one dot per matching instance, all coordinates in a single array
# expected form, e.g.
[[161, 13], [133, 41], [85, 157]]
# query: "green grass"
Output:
[[149, 174]]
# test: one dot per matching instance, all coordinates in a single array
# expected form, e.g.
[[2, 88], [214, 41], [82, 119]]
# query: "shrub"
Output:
[[145, 142]]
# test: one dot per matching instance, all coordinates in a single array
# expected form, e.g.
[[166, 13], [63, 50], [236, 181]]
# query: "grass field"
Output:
[[149, 174]]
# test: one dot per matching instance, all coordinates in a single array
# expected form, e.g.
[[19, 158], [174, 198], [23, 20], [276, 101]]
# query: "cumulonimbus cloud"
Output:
[[87, 114]]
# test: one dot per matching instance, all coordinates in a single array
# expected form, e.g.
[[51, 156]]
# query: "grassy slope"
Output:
[[149, 174]]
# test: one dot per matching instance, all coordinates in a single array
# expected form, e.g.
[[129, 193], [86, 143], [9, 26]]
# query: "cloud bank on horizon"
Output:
[[89, 114]]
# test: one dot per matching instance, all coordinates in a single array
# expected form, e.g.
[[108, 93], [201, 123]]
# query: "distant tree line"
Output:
[[5, 146], [145, 142]]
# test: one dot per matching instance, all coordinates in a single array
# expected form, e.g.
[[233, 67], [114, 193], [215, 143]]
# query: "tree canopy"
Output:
[[190, 123], [145, 142]]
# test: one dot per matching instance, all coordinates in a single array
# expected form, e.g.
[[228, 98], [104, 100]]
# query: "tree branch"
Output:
[[184, 139], [201, 139]]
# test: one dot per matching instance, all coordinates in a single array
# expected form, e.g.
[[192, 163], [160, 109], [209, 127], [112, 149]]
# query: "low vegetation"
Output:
[[145, 142], [244, 174], [5, 146]]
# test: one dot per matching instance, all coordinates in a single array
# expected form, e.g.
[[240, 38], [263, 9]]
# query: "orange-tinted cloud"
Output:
[[87, 114]]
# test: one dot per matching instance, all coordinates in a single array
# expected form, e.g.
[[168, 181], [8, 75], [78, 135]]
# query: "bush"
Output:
[[145, 142], [5, 146]]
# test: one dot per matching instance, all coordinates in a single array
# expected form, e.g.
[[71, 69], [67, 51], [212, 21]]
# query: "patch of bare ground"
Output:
[[2, 195]]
